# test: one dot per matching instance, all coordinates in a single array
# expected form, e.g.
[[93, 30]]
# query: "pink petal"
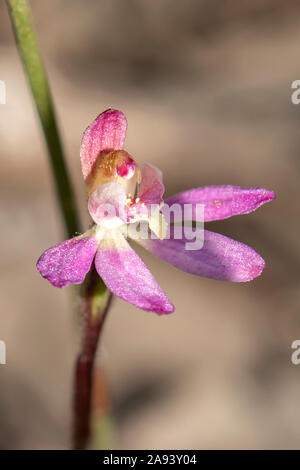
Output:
[[220, 257], [107, 202], [105, 134], [68, 262], [151, 188], [221, 202], [127, 276]]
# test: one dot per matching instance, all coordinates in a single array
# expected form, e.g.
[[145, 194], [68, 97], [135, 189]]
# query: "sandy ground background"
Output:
[[206, 88]]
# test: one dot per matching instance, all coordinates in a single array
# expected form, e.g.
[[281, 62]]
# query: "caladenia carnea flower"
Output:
[[123, 196]]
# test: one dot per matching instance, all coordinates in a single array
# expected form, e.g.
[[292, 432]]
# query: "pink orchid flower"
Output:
[[112, 176]]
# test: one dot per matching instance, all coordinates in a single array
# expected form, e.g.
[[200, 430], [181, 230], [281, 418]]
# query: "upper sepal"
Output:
[[106, 134]]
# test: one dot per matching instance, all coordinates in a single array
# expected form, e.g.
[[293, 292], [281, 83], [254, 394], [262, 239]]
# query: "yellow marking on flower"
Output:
[[217, 203], [129, 201]]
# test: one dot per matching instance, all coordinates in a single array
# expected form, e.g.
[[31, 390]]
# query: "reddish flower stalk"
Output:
[[84, 369]]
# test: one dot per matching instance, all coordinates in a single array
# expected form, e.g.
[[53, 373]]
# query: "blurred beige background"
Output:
[[206, 88]]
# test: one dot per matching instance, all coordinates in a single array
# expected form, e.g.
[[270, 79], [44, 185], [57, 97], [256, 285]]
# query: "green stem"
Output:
[[28, 49]]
